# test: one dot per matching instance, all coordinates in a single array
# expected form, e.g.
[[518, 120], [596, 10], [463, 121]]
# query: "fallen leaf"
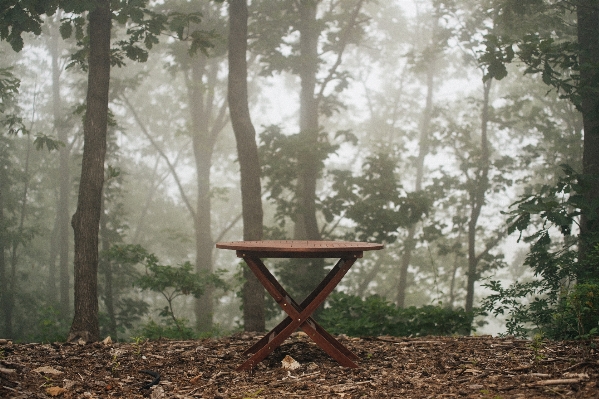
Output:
[[68, 384], [290, 363], [48, 370], [55, 391], [196, 379], [157, 393]]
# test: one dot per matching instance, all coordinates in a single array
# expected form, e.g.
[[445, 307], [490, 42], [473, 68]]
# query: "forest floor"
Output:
[[390, 367]]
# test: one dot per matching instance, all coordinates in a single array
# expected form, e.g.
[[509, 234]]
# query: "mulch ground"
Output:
[[390, 367]]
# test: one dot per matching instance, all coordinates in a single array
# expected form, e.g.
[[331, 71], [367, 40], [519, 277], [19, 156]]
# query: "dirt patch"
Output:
[[430, 367]]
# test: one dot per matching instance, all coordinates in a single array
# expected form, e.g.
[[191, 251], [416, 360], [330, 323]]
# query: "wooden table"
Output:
[[299, 315]]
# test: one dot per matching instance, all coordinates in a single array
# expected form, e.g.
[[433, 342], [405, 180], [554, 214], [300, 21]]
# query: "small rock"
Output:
[[107, 341]]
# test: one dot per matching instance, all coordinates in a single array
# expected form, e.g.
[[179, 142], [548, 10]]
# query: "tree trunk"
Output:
[[86, 219], [423, 151], [62, 205], [588, 39], [105, 268], [203, 147], [4, 283], [306, 226], [477, 199], [249, 164]]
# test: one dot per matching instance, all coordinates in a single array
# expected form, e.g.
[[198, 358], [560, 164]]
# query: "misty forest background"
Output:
[[417, 123]]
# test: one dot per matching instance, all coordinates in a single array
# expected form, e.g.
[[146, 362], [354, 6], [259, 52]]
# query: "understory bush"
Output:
[[51, 327], [167, 328], [562, 300], [374, 316]]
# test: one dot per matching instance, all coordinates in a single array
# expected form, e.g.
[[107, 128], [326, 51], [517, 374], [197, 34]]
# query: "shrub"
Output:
[[375, 316], [562, 302]]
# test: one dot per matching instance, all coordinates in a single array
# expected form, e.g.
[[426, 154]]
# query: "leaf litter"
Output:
[[390, 367]]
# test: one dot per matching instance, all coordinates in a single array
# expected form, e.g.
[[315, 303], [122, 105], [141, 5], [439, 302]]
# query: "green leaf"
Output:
[[49, 142], [66, 29]]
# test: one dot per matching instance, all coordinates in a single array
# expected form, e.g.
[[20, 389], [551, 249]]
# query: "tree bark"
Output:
[[249, 164], [588, 39], [86, 220], [477, 199]]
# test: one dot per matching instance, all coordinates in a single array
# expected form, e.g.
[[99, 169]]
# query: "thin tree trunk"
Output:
[[423, 151], [62, 206], [105, 266], [454, 271], [203, 148], [154, 183], [86, 219], [477, 199], [306, 226], [4, 280], [249, 164], [587, 12], [370, 275], [51, 287], [12, 279]]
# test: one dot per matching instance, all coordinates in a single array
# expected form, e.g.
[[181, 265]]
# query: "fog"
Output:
[[409, 146]]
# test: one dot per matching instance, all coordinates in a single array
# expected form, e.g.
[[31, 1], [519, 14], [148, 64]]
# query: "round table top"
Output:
[[303, 246]]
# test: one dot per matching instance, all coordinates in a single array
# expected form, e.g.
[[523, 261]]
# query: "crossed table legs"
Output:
[[299, 316]]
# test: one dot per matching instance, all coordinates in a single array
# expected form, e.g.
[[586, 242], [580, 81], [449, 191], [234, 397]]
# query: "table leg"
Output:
[[299, 318], [268, 337]]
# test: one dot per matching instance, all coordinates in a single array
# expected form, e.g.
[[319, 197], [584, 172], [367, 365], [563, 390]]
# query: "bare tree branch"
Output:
[[343, 43], [162, 154]]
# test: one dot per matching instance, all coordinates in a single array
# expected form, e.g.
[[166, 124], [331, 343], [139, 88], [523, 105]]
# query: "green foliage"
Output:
[[17, 16], [279, 155], [176, 281], [374, 200], [561, 302], [144, 26], [168, 328], [9, 88], [171, 283], [43, 140], [51, 326], [543, 38], [375, 316]]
